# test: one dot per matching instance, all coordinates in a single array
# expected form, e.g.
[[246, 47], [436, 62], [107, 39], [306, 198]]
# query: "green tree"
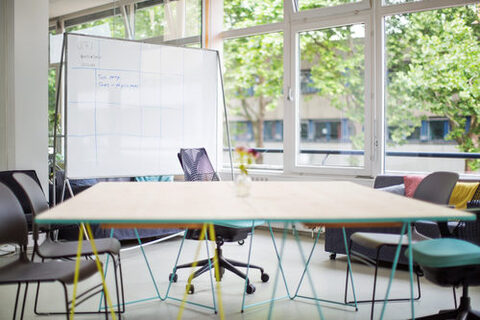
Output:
[[253, 65], [434, 68]]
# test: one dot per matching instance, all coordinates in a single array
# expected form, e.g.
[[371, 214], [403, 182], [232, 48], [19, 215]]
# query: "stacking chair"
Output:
[[197, 167], [435, 188], [13, 229], [50, 249]]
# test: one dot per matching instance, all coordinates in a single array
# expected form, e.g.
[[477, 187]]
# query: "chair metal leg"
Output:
[[200, 271], [244, 265], [199, 263], [24, 300], [16, 301], [227, 265], [65, 293], [454, 297], [117, 291]]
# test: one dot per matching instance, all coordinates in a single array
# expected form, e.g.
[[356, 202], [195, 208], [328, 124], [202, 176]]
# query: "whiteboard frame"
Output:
[[220, 80]]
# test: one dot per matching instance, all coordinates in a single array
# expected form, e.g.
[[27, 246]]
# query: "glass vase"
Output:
[[243, 184]]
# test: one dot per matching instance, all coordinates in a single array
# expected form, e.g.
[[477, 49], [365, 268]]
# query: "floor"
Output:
[[328, 277]]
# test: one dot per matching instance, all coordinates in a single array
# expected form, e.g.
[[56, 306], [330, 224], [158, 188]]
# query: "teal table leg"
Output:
[[279, 256], [394, 267], [148, 264], [248, 265], [349, 268], [307, 270], [279, 259], [410, 267], [210, 271], [272, 300]]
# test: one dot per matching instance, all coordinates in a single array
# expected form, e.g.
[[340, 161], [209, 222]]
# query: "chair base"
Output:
[[463, 312], [224, 264]]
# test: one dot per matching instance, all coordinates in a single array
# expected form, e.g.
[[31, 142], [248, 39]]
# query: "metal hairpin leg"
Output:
[[279, 267], [306, 270], [159, 296], [248, 266]]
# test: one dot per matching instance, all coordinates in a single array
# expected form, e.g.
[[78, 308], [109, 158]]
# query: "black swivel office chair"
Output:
[[435, 188], [197, 167], [452, 262]]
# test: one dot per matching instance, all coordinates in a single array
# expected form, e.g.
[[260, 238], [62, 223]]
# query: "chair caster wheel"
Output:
[[190, 289], [265, 277], [250, 289], [173, 277], [333, 256], [241, 242]]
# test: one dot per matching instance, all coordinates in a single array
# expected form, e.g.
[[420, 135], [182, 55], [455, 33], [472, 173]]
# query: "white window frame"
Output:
[[381, 11], [372, 14], [292, 118]]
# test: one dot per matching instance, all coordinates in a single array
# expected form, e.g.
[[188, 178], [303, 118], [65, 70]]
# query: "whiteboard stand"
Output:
[[226, 116], [69, 60]]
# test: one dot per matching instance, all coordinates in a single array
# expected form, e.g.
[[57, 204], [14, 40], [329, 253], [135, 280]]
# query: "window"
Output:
[[112, 26], [334, 102], [312, 4], [248, 13], [168, 19], [432, 59], [253, 88]]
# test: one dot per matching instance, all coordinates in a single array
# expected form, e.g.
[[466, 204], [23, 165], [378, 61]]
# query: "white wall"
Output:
[[24, 98]]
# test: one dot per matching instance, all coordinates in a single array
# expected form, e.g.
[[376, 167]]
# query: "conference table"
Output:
[[192, 204]]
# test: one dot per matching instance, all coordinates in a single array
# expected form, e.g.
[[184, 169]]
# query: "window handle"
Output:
[[290, 94]]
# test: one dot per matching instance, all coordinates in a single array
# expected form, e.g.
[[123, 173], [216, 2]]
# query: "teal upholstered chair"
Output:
[[450, 262], [197, 167]]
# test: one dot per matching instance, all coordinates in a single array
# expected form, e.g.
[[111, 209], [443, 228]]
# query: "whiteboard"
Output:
[[131, 106]]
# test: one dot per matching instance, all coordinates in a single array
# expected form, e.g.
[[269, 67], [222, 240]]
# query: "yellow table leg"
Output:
[[100, 270], [77, 271], [197, 253]]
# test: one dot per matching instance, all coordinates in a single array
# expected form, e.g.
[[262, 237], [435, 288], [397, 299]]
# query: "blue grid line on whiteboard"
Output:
[[125, 70]]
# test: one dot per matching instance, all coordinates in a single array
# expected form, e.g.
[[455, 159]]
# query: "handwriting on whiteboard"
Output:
[[115, 81], [88, 53]]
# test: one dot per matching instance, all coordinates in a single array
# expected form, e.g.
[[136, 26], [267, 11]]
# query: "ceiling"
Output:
[[63, 7]]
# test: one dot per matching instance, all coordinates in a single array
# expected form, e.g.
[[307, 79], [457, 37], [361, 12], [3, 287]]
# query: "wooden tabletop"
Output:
[[182, 202]]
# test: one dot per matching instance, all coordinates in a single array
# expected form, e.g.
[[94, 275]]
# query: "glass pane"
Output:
[[312, 4], [107, 27], [432, 91], [172, 19], [253, 88], [52, 90], [249, 13], [332, 107]]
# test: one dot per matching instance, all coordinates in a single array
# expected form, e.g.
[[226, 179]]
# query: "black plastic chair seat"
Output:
[[376, 240], [53, 250], [25, 271]]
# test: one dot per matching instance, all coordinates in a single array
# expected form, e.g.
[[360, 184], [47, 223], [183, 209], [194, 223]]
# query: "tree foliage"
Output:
[[432, 65]]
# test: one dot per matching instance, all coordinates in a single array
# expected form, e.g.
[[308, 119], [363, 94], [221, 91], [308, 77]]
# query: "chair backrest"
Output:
[[196, 165], [34, 193], [436, 187], [13, 225], [6, 177]]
